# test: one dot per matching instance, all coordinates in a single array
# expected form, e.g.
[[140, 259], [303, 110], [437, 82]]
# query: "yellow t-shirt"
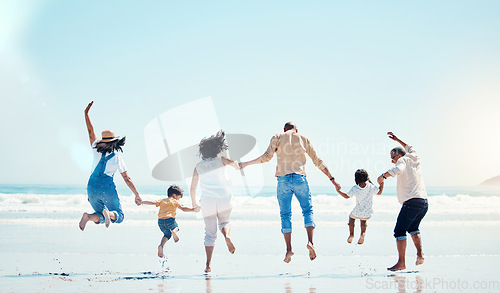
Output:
[[168, 207]]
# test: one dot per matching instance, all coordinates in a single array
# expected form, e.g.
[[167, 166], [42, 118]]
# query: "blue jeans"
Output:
[[166, 226], [101, 191], [104, 196], [289, 185], [409, 218]]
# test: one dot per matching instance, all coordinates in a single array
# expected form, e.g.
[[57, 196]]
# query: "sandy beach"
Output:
[[42, 253]]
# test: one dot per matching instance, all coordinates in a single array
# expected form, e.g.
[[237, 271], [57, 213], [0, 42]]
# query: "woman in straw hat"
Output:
[[101, 189]]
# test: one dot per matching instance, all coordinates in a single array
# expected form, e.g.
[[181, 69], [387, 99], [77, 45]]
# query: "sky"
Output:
[[345, 72]]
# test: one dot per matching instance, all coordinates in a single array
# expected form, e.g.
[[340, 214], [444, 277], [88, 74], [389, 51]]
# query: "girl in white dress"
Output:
[[216, 194], [364, 190]]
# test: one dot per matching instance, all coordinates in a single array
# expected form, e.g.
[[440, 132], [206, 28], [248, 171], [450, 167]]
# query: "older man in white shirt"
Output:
[[413, 197]]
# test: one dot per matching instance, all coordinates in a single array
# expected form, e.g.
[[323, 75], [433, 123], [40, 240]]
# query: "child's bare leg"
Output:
[[400, 265], [174, 234], [351, 233], [417, 240], [86, 217], [230, 246], [310, 246], [209, 250], [363, 230], [160, 247], [288, 243]]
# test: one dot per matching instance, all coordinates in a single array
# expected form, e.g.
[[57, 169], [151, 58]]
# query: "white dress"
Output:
[[364, 201]]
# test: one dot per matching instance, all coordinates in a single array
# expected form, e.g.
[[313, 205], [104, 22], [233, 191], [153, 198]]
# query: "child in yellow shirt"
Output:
[[166, 214]]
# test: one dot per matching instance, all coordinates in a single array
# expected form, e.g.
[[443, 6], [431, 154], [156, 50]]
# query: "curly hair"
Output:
[[111, 146], [174, 189], [210, 147], [361, 176]]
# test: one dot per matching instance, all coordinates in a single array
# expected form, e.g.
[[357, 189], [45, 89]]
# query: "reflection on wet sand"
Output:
[[288, 289], [402, 284]]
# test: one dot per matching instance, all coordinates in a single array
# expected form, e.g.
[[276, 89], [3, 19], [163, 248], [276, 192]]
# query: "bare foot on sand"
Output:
[[397, 267], [107, 219], [83, 221], [288, 256], [420, 260], [174, 234], [361, 239], [230, 245], [160, 251], [349, 240], [312, 252], [208, 269]]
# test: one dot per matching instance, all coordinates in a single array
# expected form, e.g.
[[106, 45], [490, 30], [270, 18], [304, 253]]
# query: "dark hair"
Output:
[[361, 176], [110, 146], [289, 125], [174, 189], [210, 147], [398, 151]]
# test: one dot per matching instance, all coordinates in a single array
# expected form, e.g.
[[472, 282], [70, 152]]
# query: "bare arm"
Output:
[[227, 161], [327, 173], [186, 209], [380, 188], [90, 128], [381, 178], [395, 138], [342, 193], [192, 190], [152, 203], [131, 185]]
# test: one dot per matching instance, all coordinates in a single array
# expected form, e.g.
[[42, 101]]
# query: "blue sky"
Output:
[[345, 71]]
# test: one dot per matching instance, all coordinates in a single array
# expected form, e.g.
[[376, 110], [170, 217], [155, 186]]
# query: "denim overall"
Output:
[[101, 191]]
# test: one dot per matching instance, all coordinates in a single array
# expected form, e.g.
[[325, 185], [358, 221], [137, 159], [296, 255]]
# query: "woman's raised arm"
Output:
[[90, 128]]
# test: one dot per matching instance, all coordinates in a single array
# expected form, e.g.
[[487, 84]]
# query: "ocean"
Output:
[[42, 248], [60, 203]]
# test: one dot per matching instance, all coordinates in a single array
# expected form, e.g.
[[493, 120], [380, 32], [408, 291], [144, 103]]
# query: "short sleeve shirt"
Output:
[[115, 164], [168, 207], [364, 200]]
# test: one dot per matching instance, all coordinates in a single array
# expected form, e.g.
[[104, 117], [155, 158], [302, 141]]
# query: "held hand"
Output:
[[242, 165], [138, 200], [337, 186], [88, 107], [380, 180], [196, 208]]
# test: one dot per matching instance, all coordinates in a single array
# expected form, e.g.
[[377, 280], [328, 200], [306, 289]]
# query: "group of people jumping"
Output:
[[210, 176]]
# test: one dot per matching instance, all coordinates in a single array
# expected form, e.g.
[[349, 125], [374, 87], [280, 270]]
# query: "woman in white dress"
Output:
[[216, 194]]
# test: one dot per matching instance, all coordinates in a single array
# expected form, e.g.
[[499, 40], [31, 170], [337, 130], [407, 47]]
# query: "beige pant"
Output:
[[215, 211]]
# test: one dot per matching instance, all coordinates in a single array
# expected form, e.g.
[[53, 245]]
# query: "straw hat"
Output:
[[108, 136]]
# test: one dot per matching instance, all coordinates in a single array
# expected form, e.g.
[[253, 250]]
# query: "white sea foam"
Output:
[[323, 204]]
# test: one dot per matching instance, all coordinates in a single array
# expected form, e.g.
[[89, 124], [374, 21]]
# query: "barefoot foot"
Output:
[[349, 240], [208, 269], [312, 252], [288, 256], [83, 221], [361, 239], [230, 245], [397, 267], [107, 219], [160, 251], [420, 260]]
